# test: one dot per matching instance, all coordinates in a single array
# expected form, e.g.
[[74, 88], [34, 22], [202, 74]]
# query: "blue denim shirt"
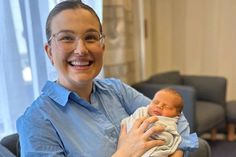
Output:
[[60, 123]]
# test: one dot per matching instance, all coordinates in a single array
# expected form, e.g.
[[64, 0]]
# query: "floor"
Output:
[[221, 147]]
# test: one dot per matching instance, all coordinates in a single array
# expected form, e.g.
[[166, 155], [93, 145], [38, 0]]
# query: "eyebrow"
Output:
[[65, 31], [92, 30], [155, 101]]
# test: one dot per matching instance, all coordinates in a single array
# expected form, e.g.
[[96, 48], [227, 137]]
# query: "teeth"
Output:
[[79, 63]]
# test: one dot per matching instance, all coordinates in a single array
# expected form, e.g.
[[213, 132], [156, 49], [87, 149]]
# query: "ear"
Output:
[[48, 50], [103, 47], [179, 113]]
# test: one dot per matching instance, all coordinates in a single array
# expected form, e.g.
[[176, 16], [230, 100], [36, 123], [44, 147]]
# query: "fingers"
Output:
[[153, 130], [123, 133], [138, 122], [137, 140], [143, 123], [123, 130], [144, 126], [154, 143]]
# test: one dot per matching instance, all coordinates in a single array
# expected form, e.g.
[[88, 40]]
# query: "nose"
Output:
[[80, 47], [160, 106]]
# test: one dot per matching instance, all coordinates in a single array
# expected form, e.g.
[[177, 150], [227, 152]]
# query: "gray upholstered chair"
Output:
[[204, 97], [231, 119], [204, 149], [4, 152], [10, 146]]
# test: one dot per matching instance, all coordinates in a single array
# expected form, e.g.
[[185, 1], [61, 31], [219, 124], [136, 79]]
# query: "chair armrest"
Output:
[[187, 92], [208, 88], [204, 149], [4, 152], [11, 142]]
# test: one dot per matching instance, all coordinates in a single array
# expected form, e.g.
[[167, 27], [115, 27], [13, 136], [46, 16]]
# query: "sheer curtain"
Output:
[[23, 64]]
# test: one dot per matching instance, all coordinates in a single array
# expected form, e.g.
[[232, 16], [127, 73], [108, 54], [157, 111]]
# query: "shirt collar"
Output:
[[56, 92], [61, 95], [98, 85]]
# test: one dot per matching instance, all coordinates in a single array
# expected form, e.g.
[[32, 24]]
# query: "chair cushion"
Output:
[[208, 88], [172, 77], [208, 115]]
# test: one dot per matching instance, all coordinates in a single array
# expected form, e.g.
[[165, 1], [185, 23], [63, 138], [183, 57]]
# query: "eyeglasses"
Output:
[[68, 41]]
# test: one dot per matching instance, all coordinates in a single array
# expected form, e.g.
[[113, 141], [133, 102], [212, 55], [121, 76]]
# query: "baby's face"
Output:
[[164, 104]]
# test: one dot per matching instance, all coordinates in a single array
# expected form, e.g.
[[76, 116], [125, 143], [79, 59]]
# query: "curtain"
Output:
[[22, 59], [24, 65]]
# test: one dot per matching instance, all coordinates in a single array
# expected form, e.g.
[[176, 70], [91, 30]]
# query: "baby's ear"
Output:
[[179, 113]]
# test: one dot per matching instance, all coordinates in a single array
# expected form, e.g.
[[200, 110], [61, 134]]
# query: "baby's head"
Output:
[[166, 102]]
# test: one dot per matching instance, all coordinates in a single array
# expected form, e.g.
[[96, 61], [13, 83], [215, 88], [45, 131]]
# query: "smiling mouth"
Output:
[[81, 63]]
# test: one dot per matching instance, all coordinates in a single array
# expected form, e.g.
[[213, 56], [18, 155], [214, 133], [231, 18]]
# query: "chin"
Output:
[[84, 78]]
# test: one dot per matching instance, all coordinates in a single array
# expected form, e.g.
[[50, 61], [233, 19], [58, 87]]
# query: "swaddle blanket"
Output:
[[169, 135]]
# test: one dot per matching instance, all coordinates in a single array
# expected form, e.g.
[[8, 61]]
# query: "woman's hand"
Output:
[[138, 140]]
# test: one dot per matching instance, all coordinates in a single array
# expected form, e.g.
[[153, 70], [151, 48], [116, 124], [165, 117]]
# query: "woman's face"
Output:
[[79, 61]]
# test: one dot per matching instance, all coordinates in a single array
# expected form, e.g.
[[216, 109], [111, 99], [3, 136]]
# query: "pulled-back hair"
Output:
[[68, 4]]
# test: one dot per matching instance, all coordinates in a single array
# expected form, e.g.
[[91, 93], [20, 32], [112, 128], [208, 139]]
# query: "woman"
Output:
[[78, 115]]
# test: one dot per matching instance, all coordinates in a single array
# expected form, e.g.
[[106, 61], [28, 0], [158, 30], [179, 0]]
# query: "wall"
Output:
[[195, 37]]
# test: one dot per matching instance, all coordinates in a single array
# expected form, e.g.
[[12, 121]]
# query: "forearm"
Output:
[[121, 153], [177, 153], [189, 141]]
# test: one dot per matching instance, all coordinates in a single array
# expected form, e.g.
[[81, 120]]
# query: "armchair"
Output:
[[4, 152], [10, 146], [204, 97]]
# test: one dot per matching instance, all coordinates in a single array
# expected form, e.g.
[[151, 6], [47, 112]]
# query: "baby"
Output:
[[167, 105]]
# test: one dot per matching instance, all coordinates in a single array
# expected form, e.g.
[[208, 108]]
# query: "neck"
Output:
[[83, 90]]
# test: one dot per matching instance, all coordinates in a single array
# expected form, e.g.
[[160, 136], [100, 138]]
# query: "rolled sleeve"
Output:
[[189, 141]]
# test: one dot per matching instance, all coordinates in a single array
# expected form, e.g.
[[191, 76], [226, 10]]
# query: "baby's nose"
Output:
[[160, 106]]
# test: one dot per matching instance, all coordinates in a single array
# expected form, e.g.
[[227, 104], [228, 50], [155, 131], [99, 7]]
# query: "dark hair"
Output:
[[69, 4]]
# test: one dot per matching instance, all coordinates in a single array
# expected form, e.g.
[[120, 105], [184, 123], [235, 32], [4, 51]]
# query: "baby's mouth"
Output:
[[158, 113]]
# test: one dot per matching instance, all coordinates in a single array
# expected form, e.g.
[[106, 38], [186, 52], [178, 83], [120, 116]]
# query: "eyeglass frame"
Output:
[[100, 39]]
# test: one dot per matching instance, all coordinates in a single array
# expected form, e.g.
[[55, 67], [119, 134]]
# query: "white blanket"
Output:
[[170, 135]]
